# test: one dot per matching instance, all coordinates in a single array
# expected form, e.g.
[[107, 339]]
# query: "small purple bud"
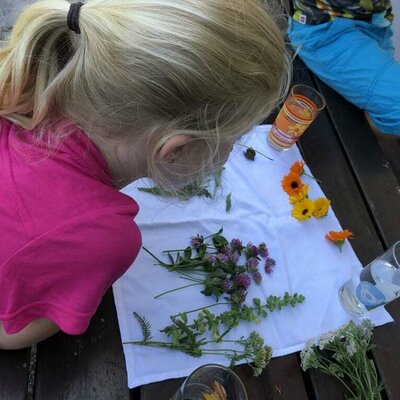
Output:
[[227, 284], [269, 262], [257, 277], [263, 250], [223, 258], [210, 258], [236, 244], [196, 241], [233, 258], [242, 280], [252, 263], [254, 250]]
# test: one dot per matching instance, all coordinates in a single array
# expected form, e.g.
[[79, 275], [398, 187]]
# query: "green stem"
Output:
[[258, 152], [214, 234], [149, 252], [174, 290], [312, 177], [201, 308], [176, 250]]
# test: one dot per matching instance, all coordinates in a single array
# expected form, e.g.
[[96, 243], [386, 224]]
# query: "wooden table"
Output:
[[360, 173]]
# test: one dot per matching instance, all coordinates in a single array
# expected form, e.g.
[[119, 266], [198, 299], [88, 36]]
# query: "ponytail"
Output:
[[40, 45]]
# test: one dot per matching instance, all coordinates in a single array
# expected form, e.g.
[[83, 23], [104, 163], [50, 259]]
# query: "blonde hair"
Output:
[[211, 69]]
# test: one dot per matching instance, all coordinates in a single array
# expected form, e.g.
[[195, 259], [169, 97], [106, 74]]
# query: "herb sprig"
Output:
[[253, 349]]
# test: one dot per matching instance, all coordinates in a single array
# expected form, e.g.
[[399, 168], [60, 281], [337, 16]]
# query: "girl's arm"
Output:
[[35, 332]]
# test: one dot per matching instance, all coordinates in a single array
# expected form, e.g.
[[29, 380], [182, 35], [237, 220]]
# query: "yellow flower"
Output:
[[321, 207], [300, 195], [303, 209]]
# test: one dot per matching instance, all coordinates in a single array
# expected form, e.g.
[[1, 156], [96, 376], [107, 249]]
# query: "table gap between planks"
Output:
[[360, 174]]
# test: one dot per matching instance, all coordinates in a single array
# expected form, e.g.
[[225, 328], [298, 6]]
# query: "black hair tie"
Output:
[[73, 17]]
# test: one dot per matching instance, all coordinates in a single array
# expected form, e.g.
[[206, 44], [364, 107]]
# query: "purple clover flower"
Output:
[[223, 258], [196, 241], [263, 250], [254, 250], [242, 280], [252, 263], [269, 263], [236, 244], [238, 296], [257, 277], [233, 258], [227, 284], [210, 258]]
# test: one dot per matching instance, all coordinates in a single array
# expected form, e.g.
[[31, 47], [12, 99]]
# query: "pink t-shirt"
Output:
[[66, 233]]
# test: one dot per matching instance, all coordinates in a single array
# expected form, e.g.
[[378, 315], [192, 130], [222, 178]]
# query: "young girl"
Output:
[[94, 96]]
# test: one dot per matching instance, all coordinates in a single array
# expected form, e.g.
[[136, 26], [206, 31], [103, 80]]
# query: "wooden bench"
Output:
[[360, 173]]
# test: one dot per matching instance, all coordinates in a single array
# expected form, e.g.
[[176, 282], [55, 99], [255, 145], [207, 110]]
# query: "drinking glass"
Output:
[[211, 378], [375, 285], [299, 110]]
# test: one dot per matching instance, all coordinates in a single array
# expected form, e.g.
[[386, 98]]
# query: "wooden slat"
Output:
[[387, 352], [14, 374], [90, 366], [160, 390], [377, 180], [379, 184], [285, 380], [390, 146], [326, 387], [324, 155]]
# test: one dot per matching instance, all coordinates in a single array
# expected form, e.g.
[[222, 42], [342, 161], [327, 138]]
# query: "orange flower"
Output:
[[297, 167], [338, 238], [291, 183]]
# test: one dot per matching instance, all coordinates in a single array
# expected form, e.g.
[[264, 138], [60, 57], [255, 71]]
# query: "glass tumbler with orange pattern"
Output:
[[299, 110]]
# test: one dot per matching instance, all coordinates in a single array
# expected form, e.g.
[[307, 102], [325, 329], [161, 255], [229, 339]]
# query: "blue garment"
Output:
[[356, 59]]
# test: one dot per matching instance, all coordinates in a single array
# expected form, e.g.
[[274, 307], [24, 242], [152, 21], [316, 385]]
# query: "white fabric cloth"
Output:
[[306, 262]]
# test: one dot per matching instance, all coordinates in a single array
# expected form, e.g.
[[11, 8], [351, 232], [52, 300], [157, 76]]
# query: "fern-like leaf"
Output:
[[145, 325]]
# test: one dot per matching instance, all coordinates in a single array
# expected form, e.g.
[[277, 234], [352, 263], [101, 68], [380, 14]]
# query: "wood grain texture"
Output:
[[160, 390], [376, 178], [14, 374], [89, 366]]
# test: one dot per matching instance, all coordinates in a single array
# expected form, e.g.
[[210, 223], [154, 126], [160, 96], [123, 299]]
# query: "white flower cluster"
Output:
[[343, 354]]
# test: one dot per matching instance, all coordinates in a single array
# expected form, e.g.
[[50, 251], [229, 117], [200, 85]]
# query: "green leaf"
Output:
[[145, 325], [188, 252], [183, 317], [219, 242], [256, 302], [228, 202]]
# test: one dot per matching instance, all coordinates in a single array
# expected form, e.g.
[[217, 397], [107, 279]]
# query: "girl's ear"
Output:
[[169, 150]]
